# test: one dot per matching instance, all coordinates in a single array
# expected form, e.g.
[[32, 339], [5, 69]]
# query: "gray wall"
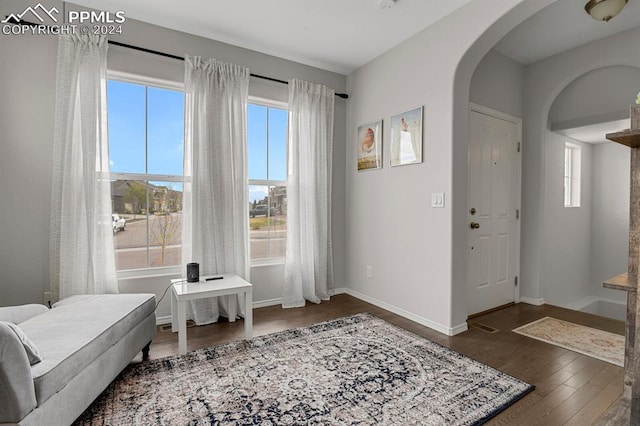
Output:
[[27, 84], [544, 81], [598, 96], [609, 217], [567, 232], [418, 253], [27, 79], [497, 84]]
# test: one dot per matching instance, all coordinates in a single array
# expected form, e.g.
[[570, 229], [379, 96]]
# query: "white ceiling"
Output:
[[594, 133], [336, 35], [562, 26], [342, 35]]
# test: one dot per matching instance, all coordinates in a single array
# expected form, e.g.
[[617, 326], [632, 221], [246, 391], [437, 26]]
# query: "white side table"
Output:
[[229, 285]]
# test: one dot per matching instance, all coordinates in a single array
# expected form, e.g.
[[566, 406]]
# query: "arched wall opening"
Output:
[[543, 82]]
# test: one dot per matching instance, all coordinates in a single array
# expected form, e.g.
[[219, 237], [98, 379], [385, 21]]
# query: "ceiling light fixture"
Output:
[[604, 10], [386, 4]]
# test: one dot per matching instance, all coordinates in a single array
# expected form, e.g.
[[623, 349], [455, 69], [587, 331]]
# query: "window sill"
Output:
[[150, 273], [273, 261]]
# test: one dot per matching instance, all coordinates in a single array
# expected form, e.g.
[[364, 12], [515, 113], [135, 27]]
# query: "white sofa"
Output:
[[84, 342]]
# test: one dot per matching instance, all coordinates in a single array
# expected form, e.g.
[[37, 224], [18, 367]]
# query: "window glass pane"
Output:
[[126, 125], [257, 141], [278, 221], [567, 192], [129, 201], [278, 121], [165, 223], [166, 131], [268, 221], [258, 221]]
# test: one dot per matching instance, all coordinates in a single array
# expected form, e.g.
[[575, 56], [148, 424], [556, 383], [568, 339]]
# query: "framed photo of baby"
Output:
[[369, 146], [406, 138]]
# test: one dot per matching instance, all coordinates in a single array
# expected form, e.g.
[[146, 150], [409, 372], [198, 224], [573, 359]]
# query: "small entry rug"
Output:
[[354, 370], [588, 341]]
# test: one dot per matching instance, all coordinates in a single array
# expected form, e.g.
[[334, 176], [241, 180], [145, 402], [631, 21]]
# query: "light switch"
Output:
[[437, 200]]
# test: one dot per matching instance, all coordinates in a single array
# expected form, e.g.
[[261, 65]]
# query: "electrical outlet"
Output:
[[369, 271]]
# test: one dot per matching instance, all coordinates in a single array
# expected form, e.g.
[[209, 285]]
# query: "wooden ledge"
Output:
[[630, 138], [620, 282]]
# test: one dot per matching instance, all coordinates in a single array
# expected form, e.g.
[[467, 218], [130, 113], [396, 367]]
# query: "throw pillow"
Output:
[[32, 352]]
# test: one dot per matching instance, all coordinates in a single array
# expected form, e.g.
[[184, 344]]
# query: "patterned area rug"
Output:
[[589, 341], [355, 370]]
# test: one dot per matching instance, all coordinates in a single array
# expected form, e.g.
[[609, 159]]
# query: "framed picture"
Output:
[[406, 138], [369, 146]]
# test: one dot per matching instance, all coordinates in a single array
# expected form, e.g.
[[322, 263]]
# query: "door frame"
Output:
[[473, 107]]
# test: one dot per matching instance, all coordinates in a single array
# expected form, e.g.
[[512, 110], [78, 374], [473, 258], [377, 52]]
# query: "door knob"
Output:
[[475, 225]]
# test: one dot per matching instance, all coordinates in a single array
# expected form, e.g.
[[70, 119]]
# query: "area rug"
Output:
[[354, 370], [589, 341]]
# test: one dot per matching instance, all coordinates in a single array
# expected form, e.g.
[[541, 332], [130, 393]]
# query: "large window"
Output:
[[146, 146], [267, 152], [572, 167]]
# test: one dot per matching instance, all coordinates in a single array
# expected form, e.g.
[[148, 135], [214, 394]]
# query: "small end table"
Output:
[[229, 285]]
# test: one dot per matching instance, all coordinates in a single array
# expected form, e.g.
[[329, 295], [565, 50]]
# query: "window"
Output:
[[572, 166], [267, 156], [146, 150]]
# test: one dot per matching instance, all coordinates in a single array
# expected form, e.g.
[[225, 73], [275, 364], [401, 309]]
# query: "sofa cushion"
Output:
[[31, 350], [17, 394], [72, 334], [17, 314]]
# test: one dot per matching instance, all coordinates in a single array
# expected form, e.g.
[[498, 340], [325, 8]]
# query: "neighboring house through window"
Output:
[[146, 151], [267, 124], [572, 168]]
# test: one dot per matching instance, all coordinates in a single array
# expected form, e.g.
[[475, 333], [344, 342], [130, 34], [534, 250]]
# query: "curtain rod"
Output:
[[166, 55]]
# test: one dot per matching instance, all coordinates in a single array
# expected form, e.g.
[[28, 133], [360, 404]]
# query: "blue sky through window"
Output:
[[146, 134], [162, 129], [266, 122]]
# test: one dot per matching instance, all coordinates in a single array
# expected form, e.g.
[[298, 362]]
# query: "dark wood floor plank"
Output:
[[537, 413], [590, 413], [570, 388], [570, 406]]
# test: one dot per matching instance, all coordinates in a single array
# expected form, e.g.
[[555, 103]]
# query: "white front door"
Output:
[[493, 203]]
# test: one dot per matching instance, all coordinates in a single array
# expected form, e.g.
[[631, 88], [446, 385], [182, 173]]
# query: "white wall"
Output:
[[497, 84], [610, 217], [567, 234], [27, 79], [543, 81], [27, 84], [418, 254], [598, 96]]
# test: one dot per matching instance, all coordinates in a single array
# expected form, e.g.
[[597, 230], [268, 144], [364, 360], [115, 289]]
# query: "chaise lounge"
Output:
[[84, 342]]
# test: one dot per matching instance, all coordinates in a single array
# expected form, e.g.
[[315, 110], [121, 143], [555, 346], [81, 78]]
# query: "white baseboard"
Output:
[[163, 320], [265, 303], [259, 304], [449, 331], [532, 301]]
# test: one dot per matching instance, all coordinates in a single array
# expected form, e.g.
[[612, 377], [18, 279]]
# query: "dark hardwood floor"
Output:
[[571, 388]]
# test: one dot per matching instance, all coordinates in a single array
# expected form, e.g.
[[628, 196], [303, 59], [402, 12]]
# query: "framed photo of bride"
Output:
[[406, 138], [369, 146]]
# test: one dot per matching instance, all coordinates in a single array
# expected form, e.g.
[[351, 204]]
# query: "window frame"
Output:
[[125, 77], [572, 187], [270, 103]]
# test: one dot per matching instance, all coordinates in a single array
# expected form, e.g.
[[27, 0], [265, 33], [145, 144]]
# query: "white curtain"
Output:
[[216, 222], [308, 262], [82, 258]]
